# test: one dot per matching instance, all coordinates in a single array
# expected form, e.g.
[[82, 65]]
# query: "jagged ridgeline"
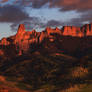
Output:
[[54, 60], [71, 40]]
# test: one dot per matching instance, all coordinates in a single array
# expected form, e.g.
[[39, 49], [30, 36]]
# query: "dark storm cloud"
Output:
[[87, 16], [65, 5], [32, 3], [16, 15], [11, 14], [39, 3]]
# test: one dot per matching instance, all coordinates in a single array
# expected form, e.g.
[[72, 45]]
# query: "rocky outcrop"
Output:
[[87, 30], [23, 39], [20, 33], [4, 42], [72, 31]]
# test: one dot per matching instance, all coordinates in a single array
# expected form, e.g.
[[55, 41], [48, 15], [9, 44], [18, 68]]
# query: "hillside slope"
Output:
[[53, 60]]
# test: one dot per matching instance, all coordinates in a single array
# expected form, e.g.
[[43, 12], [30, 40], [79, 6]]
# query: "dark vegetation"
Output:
[[64, 65]]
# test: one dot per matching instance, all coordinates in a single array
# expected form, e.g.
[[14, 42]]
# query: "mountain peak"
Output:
[[21, 29], [23, 38], [57, 28], [20, 33]]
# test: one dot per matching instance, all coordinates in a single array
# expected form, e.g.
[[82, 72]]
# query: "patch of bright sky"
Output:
[[47, 14], [5, 30], [86, 22]]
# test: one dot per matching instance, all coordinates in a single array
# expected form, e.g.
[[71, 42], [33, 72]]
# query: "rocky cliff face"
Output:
[[72, 31], [86, 30], [23, 39]]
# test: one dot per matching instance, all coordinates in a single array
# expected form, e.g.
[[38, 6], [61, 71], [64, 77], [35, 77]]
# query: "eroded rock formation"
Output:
[[23, 39]]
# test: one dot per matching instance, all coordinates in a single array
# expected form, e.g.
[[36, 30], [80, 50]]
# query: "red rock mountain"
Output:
[[23, 39], [54, 60]]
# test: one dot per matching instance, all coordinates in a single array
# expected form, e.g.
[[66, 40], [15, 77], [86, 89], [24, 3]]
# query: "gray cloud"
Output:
[[10, 13], [78, 5], [16, 15], [65, 4], [85, 17], [52, 23]]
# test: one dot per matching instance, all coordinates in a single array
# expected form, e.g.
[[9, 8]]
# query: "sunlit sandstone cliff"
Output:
[[23, 39]]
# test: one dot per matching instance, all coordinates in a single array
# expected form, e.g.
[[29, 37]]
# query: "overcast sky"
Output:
[[38, 14]]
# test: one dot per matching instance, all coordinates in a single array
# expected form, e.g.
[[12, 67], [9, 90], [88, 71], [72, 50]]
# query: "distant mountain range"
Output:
[[69, 39], [54, 60]]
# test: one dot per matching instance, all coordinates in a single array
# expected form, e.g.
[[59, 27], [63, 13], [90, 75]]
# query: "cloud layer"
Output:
[[14, 12], [10, 13], [17, 15], [65, 5]]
